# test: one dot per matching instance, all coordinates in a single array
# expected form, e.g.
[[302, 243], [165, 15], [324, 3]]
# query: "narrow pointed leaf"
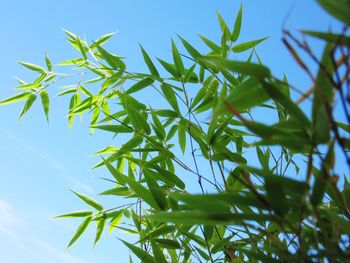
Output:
[[152, 68], [15, 98], [32, 67], [81, 229], [45, 102], [140, 253], [88, 200], [237, 27], [82, 213], [247, 45], [28, 105]]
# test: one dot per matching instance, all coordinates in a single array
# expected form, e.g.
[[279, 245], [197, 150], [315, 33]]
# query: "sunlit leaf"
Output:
[[32, 67], [88, 200], [28, 105], [247, 45], [45, 101], [81, 229]]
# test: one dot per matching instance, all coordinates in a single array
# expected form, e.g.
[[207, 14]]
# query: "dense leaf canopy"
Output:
[[192, 190]]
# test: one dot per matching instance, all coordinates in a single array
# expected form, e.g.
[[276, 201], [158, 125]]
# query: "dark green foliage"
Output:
[[232, 208]]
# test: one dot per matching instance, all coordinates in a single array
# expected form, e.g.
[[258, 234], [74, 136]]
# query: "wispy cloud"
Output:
[[9, 221], [49, 160], [26, 243]]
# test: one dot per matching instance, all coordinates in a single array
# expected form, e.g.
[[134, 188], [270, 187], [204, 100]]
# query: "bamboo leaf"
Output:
[[16, 98], [48, 63], [157, 252], [338, 9], [140, 253], [99, 229], [27, 105], [45, 102], [250, 69], [149, 62], [140, 85], [170, 96], [237, 27], [32, 67], [81, 229], [177, 59], [114, 61], [82, 213], [168, 243], [247, 45], [101, 40], [88, 200]]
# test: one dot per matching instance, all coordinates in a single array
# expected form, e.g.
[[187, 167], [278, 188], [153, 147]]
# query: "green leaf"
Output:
[[158, 126], [167, 113], [88, 200], [114, 61], [291, 107], [245, 96], [190, 49], [223, 154], [276, 195], [170, 68], [237, 27], [181, 133], [338, 39], [170, 96], [32, 67], [324, 93], [247, 45], [81, 48], [138, 121], [140, 253], [114, 128], [15, 98], [45, 102], [250, 69], [120, 191], [115, 221], [157, 252], [82, 213], [149, 62], [205, 203], [81, 229], [223, 26], [48, 63], [101, 40], [27, 105], [168, 243], [140, 85], [83, 106], [211, 44], [177, 59], [94, 118], [337, 8], [74, 101], [199, 217], [344, 126], [142, 192], [100, 226], [116, 174]]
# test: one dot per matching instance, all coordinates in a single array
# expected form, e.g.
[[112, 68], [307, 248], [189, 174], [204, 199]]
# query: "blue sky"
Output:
[[40, 162]]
